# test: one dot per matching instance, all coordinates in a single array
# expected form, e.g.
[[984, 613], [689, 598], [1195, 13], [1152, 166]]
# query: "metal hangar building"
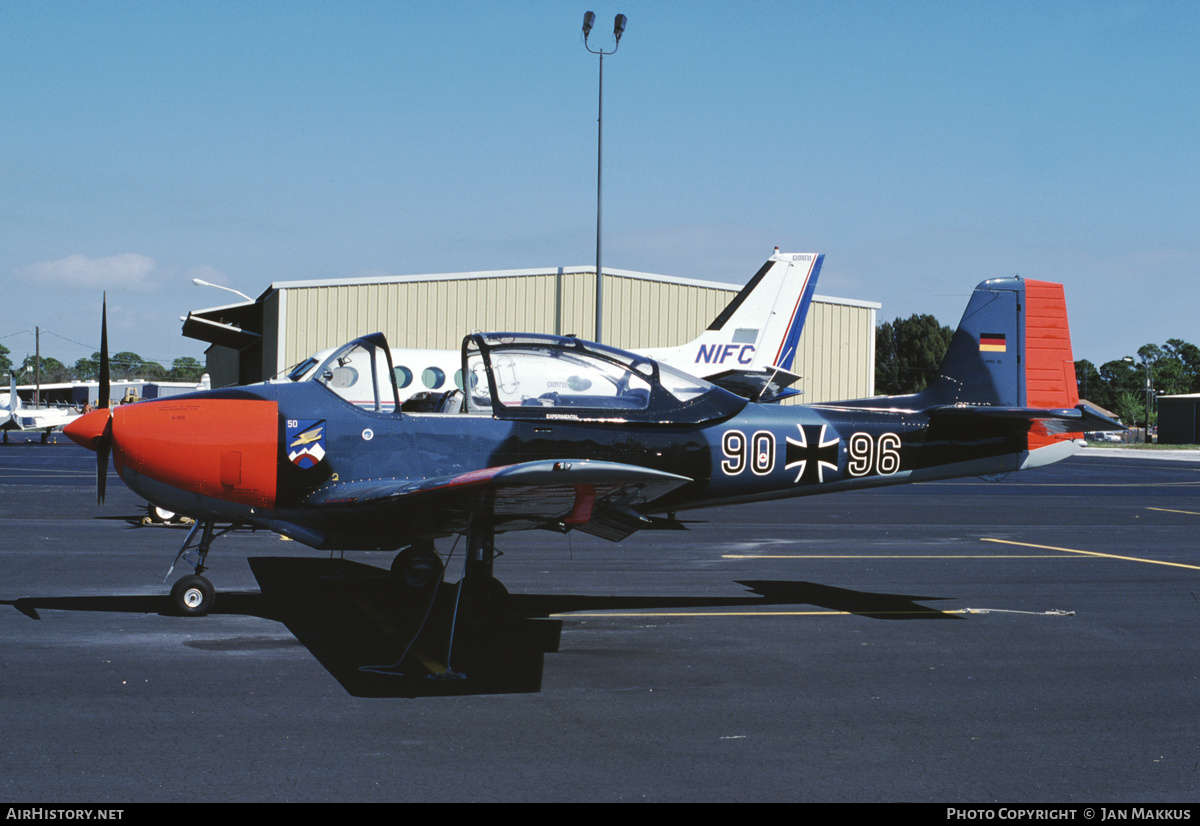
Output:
[[291, 320]]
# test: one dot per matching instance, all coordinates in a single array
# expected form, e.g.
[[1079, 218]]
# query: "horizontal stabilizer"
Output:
[[766, 385], [1083, 416]]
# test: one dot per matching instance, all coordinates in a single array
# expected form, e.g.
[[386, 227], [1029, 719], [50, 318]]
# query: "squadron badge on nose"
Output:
[[306, 441]]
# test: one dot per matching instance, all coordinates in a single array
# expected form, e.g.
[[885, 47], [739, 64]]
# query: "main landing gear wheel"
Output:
[[418, 566], [193, 596]]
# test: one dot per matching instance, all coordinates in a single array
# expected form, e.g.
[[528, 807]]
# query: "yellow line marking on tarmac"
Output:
[[1172, 510], [925, 613], [662, 614], [46, 474], [1077, 485], [1092, 553], [891, 556]]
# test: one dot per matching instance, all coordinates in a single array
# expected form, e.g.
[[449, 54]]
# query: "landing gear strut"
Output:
[[193, 595], [481, 596]]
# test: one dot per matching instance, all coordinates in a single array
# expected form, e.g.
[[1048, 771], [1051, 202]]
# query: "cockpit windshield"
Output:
[[361, 373], [531, 376]]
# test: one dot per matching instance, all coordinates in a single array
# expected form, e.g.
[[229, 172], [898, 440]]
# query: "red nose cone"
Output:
[[87, 428]]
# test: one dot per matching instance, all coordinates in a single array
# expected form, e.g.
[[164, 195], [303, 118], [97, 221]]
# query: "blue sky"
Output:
[[923, 146]]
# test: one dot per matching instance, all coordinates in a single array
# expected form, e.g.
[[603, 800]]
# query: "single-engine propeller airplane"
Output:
[[608, 443]]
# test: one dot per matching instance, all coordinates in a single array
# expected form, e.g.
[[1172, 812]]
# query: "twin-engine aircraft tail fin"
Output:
[[760, 328]]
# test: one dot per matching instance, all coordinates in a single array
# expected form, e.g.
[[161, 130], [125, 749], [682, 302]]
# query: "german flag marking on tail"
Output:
[[992, 343]]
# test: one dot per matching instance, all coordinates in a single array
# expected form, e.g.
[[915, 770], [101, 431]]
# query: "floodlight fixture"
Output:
[[199, 282]]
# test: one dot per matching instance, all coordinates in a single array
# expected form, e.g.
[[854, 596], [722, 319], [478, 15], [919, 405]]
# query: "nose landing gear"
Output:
[[193, 595]]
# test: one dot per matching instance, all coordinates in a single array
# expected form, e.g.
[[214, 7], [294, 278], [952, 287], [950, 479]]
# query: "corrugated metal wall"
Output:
[[835, 355]]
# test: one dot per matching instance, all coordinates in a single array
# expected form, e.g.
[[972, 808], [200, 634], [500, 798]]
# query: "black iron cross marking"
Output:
[[812, 454]]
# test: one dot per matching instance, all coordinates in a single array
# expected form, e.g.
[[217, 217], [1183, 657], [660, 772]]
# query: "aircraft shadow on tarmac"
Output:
[[380, 638]]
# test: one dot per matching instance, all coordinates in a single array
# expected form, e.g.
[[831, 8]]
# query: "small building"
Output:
[[291, 320], [1179, 419], [78, 393]]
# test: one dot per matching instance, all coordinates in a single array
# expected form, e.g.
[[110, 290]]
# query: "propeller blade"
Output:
[[103, 377], [103, 448], [104, 441]]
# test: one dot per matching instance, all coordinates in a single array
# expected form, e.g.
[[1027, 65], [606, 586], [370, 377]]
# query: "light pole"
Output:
[[1149, 390], [589, 20], [201, 283]]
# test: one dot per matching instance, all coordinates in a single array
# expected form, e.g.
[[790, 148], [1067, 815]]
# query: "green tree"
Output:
[[186, 368], [908, 353], [125, 365], [1092, 386], [1188, 355], [1128, 407], [5, 363], [88, 369], [47, 369]]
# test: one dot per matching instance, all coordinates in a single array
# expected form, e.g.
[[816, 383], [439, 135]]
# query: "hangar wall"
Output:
[[435, 314], [836, 354]]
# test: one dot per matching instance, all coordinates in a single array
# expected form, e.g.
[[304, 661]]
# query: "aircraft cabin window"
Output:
[[433, 377], [681, 385], [361, 374], [349, 375], [404, 376], [537, 377], [302, 369], [513, 375]]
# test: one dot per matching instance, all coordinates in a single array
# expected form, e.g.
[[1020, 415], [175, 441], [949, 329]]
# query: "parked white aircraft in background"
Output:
[[16, 416], [743, 350]]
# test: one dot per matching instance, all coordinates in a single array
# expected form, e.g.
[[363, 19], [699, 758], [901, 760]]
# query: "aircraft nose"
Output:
[[85, 430], [217, 447]]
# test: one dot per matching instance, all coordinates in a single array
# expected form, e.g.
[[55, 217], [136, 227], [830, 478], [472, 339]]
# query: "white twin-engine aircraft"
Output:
[[14, 415], [745, 349]]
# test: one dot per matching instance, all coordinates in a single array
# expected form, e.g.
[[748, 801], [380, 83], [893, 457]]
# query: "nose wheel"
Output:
[[193, 596]]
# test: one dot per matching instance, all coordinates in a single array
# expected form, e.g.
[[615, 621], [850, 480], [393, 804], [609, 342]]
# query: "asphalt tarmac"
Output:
[[1030, 640]]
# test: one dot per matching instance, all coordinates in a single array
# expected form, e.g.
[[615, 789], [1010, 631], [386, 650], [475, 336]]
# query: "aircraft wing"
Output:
[[50, 418], [600, 498]]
